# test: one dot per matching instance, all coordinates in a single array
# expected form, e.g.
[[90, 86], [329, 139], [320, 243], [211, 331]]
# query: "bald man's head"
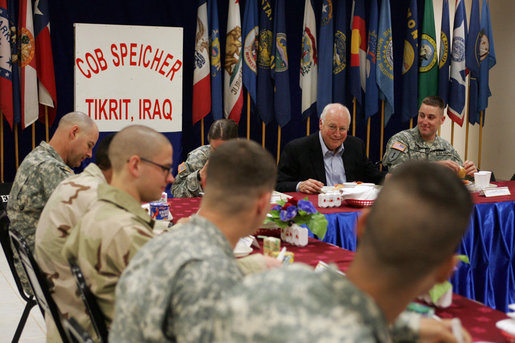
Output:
[[135, 140]]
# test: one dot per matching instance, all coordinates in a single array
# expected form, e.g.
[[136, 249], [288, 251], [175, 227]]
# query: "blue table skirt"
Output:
[[489, 243]]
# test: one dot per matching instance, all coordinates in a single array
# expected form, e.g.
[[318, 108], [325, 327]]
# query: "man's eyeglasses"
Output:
[[167, 169]]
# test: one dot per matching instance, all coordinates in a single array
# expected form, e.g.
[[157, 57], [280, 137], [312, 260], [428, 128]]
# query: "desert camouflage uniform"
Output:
[[186, 184], [105, 240], [38, 176], [296, 304], [67, 204], [415, 148], [168, 292]]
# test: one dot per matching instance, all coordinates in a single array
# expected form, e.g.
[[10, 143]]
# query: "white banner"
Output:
[[129, 75]]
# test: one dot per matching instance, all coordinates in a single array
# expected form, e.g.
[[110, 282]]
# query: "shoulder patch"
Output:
[[181, 167], [399, 146]]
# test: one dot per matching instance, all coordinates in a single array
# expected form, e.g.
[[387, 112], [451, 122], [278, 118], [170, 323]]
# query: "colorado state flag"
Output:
[[358, 51]]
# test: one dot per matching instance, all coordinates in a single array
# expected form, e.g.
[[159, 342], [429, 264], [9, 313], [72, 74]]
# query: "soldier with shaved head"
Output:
[[116, 226], [43, 169]]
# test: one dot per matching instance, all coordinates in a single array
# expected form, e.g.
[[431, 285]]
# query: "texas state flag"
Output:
[[45, 60]]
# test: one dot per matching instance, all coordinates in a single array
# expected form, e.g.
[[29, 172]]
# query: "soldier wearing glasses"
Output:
[[116, 226], [325, 158]]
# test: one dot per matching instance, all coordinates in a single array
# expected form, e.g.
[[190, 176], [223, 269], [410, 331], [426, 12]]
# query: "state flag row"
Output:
[[351, 54], [27, 79]]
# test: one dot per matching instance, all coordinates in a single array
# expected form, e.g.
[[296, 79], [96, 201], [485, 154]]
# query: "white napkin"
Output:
[[360, 192]]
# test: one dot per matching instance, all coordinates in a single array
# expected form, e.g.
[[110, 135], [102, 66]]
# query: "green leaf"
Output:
[[464, 258], [439, 290]]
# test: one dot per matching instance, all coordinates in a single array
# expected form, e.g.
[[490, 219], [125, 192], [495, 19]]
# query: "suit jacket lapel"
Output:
[[318, 159]]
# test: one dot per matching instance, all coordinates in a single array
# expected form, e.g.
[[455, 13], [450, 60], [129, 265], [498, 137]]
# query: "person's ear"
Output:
[[74, 131], [361, 223], [134, 165], [446, 268]]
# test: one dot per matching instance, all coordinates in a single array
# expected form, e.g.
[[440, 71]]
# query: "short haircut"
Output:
[[135, 140], [434, 101], [223, 129], [238, 172], [101, 155], [80, 119], [333, 107], [417, 221]]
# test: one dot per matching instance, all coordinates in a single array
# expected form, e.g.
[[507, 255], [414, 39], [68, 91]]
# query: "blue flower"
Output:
[[307, 206], [276, 208], [289, 214]]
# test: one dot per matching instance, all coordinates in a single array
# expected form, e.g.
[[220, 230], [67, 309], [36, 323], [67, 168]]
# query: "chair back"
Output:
[[37, 281], [97, 317], [5, 241], [76, 332], [9, 254]]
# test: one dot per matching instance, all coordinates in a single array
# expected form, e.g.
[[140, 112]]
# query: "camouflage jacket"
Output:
[[170, 287], [186, 184], [63, 210], [105, 240], [296, 304], [409, 145], [38, 176]]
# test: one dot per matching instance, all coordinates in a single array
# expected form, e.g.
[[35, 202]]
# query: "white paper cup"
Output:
[[482, 179]]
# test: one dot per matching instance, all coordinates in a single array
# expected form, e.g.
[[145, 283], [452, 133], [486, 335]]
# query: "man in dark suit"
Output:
[[327, 157]]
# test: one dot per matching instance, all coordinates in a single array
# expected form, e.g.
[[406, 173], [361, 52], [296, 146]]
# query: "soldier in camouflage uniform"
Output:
[[116, 226], [423, 143], [67, 204], [43, 169], [171, 286], [191, 174], [403, 250]]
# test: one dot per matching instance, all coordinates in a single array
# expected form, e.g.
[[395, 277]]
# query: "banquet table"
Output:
[[477, 318], [489, 243]]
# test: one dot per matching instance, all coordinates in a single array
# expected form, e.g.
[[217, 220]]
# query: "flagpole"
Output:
[[278, 142], [468, 122], [480, 140], [308, 126], [202, 131], [16, 146], [411, 123], [263, 134], [248, 115], [33, 135], [368, 136], [452, 133], [354, 116], [46, 123], [2, 148], [382, 136]]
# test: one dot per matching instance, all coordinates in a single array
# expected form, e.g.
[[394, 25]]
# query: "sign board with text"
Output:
[[129, 75]]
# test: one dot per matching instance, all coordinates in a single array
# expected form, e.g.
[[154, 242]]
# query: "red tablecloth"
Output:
[[477, 318]]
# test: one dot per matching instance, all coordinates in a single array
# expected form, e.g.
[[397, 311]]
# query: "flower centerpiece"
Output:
[[300, 212]]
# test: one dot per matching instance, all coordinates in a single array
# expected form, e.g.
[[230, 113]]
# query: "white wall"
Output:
[[498, 137]]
